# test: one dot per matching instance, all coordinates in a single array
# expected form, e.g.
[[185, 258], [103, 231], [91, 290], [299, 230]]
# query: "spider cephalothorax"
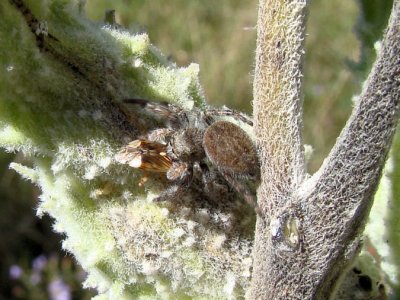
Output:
[[194, 141]]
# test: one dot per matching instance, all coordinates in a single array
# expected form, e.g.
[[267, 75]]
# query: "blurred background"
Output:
[[220, 36]]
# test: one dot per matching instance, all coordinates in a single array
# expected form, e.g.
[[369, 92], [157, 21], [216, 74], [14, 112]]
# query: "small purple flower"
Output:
[[39, 263], [58, 290], [15, 272]]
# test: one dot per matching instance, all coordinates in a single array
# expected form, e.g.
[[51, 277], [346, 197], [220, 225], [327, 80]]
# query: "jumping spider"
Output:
[[194, 140]]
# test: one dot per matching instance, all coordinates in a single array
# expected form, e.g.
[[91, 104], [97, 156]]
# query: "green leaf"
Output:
[[62, 83]]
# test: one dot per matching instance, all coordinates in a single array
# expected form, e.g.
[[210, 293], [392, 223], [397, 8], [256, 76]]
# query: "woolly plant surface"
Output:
[[382, 232], [62, 82]]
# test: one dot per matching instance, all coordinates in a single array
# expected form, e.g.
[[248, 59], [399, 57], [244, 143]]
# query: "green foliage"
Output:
[[60, 105], [30, 267]]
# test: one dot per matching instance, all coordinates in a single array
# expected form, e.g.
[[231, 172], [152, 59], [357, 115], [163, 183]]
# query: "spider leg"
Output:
[[181, 172], [207, 176], [213, 188], [244, 191], [182, 175], [163, 111], [227, 112]]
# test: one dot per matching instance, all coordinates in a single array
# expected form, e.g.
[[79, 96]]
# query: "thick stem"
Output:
[[278, 116], [277, 97]]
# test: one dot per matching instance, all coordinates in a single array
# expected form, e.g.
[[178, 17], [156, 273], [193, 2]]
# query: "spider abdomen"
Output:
[[231, 150]]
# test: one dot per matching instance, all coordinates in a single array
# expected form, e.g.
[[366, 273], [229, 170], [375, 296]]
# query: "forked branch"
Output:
[[310, 231]]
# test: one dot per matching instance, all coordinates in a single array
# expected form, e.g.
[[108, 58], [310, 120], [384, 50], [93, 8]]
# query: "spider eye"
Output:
[[230, 149], [187, 144]]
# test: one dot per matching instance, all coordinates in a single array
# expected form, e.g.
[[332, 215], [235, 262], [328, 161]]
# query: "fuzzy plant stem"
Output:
[[310, 231]]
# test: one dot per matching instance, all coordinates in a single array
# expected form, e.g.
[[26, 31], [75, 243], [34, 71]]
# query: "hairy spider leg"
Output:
[[227, 112], [244, 191], [164, 111]]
